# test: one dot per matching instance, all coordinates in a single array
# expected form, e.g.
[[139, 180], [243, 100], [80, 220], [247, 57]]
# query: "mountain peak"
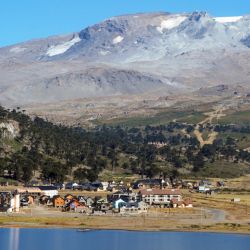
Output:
[[197, 15], [171, 52]]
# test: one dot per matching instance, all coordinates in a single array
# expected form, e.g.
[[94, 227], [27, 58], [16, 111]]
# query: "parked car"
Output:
[[59, 186], [87, 187], [71, 185]]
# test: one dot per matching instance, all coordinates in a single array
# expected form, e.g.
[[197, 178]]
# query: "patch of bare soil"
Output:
[[217, 114]]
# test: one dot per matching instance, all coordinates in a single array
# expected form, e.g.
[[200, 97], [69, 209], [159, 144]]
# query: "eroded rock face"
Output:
[[9, 129], [246, 41]]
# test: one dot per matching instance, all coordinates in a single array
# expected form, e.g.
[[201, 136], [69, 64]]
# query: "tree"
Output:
[[81, 174], [198, 162]]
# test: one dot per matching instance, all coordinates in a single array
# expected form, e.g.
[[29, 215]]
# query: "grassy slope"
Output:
[[158, 119], [239, 117], [224, 169]]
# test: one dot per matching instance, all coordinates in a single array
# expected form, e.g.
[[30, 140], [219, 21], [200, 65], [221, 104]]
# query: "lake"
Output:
[[65, 239]]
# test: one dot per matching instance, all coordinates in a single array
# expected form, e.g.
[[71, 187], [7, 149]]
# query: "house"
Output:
[[187, 185], [186, 203], [58, 201], [82, 209], [203, 189], [44, 199], [143, 206], [134, 208], [71, 205], [35, 192], [204, 186], [82, 200], [86, 201], [119, 203], [205, 183], [9, 202], [235, 199], [30, 199], [126, 196], [105, 186], [149, 183], [101, 201], [69, 197], [160, 197], [24, 202], [89, 201], [74, 204], [174, 203], [102, 207], [50, 191]]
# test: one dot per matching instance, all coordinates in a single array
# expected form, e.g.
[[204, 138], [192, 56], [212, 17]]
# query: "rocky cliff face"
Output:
[[9, 129]]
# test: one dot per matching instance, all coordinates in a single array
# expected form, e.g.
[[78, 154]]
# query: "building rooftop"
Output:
[[157, 191]]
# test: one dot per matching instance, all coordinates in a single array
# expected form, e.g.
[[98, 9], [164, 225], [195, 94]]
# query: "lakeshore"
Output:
[[176, 221]]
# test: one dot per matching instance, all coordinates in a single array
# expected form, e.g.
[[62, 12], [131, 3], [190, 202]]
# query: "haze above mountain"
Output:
[[134, 56]]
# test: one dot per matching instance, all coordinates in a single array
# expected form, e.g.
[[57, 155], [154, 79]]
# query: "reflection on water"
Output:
[[13, 239], [64, 239]]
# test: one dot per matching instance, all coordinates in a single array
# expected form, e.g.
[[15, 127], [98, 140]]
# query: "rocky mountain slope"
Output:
[[135, 57]]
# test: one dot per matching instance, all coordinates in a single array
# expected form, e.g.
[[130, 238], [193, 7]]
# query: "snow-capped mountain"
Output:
[[143, 54]]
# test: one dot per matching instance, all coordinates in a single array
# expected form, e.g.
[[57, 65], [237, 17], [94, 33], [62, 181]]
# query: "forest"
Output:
[[55, 153]]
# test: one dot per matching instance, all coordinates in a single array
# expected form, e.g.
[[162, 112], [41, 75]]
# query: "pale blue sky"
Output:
[[22, 20]]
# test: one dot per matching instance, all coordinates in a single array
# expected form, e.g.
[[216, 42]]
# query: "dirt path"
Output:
[[211, 137], [217, 114]]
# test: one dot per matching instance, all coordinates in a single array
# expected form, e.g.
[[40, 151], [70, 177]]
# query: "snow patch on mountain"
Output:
[[104, 52], [118, 39], [17, 50], [231, 19], [62, 48], [171, 23]]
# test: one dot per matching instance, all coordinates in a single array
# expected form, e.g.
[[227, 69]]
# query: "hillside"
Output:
[[32, 148]]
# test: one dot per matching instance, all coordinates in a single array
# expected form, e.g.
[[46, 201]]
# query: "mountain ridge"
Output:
[[152, 54]]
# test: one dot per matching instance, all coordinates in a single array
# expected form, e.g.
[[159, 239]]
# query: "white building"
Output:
[[15, 203], [160, 197], [50, 191], [9, 202]]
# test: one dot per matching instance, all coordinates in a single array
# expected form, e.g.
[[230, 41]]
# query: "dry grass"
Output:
[[124, 223]]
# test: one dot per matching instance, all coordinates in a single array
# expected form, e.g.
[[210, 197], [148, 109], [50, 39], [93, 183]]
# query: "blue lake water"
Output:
[[64, 239]]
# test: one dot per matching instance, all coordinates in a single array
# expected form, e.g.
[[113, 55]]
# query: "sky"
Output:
[[22, 20]]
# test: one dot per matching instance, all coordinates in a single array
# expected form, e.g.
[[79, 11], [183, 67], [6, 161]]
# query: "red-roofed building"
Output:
[[160, 197]]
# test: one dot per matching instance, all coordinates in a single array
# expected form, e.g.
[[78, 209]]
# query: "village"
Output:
[[142, 204], [102, 198]]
